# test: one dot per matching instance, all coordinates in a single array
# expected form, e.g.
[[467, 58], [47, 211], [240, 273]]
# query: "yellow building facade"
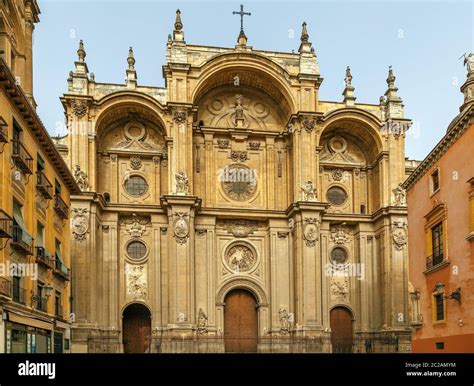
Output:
[[233, 210], [35, 185]]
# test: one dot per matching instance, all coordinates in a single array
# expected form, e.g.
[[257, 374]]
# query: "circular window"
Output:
[[136, 250], [239, 182], [136, 185], [336, 195], [339, 255]]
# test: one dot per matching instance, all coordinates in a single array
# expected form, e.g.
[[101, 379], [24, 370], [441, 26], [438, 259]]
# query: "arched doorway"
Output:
[[341, 330], [136, 329], [240, 322]]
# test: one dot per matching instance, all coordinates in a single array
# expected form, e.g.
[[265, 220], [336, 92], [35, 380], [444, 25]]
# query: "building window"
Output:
[[439, 345], [336, 195], [58, 308], [136, 186], [437, 243], [58, 342], [439, 307], [136, 250], [434, 181], [338, 255], [57, 187]]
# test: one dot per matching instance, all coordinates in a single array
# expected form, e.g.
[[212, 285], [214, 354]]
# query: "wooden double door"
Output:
[[240, 322], [341, 330], [136, 329]]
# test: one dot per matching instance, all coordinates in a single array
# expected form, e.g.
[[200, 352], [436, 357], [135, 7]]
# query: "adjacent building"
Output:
[[441, 236], [233, 209], [35, 185]]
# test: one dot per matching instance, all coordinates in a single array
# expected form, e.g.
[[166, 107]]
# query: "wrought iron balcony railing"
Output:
[[6, 223], [21, 240], [43, 257], [434, 260], [44, 187], [22, 158], [5, 287], [61, 269], [61, 207]]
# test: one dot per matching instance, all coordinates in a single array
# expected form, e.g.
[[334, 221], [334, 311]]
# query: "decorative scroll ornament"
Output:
[[136, 225], [399, 234], [181, 228], [240, 258], [179, 116], [238, 156], [337, 174], [284, 321], [79, 107], [254, 145], [81, 178], [182, 183], [340, 235], [136, 281], [340, 288], [311, 231], [241, 228], [80, 223], [399, 196], [309, 124], [135, 162], [309, 191], [223, 143], [202, 323]]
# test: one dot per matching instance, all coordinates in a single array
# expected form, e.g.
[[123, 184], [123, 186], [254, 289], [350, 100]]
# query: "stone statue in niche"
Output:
[[182, 183], [399, 195], [284, 321], [202, 322], [81, 178], [309, 191], [239, 111]]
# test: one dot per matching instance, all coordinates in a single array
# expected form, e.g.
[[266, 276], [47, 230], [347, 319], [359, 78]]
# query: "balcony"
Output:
[[18, 294], [5, 287], [6, 223], [43, 257], [44, 187], [42, 304], [60, 207], [22, 159], [22, 241], [3, 131], [434, 260], [61, 269]]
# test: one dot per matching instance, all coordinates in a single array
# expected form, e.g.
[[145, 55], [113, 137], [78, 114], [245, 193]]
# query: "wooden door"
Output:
[[240, 322], [136, 329], [341, 330]]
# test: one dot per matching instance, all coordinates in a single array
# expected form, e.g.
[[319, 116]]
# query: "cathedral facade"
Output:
[[233, 210]]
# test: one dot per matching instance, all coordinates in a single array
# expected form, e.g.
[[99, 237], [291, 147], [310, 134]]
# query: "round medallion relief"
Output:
[[239, 182], [240, 258]]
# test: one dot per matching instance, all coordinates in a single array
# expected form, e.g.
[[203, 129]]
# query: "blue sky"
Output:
[[422, 40]]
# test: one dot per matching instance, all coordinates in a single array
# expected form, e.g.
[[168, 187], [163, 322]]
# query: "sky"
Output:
[[422, 40]]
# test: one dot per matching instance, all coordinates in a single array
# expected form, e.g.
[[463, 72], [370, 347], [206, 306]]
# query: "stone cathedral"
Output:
[[232, 210]]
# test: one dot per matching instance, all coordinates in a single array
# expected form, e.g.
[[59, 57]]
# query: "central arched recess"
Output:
[[136, 329], [240, 322]]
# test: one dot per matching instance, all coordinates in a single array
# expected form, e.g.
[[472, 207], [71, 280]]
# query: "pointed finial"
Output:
[[81, 53], [131, 59], [304, 33], [348, 78], [178, 25], [391, 78], [169, 38]]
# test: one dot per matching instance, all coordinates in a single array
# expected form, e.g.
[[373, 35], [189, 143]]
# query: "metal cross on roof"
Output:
[[241, 13]]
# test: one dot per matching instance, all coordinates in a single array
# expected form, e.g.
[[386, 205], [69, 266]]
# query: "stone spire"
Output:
[[80, 64], [393, 103], [178, 34], [131, 72], [468, 87], [308, 60], [348, 92], [305, 45]]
